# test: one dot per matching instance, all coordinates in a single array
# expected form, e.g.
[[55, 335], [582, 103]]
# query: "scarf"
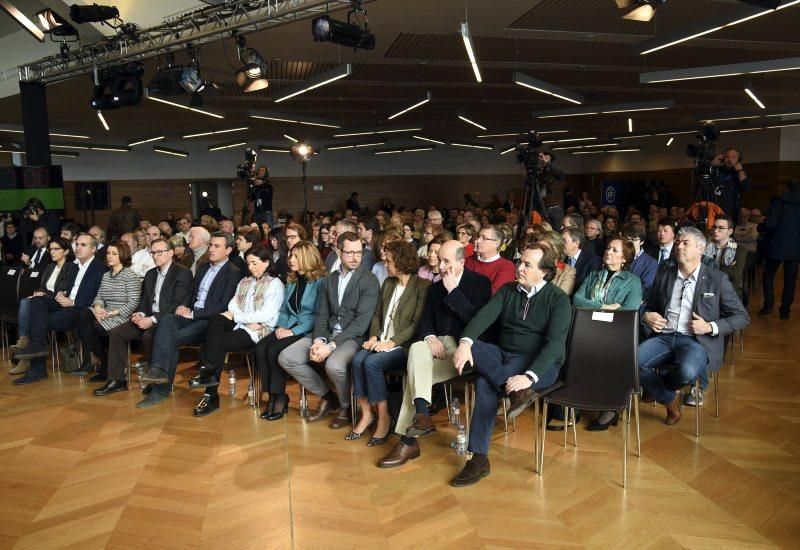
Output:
[[600, 288], [728, 253], [260, 294]]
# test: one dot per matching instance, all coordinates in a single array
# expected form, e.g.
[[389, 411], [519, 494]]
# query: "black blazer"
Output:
[[219, 295], [89, 284], [65, 279], [714, 300], [446, 314], [43, 261], [174, 292], [587, 262]]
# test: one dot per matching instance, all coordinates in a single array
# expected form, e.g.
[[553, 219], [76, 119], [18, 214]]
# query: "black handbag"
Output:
[[70, 358]]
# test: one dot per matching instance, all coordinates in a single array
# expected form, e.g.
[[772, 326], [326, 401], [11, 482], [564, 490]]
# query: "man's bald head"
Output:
[[451, 258]]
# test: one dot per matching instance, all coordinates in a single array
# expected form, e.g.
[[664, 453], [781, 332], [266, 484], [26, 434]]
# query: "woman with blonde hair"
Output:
[[295, 321], [565, 274]]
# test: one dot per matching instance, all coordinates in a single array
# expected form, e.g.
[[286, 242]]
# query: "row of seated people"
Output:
[[512, 335]]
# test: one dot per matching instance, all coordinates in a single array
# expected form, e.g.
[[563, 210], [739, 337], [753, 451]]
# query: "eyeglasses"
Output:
[[155, 253], [352, 253], [482, 238], [292, 237]]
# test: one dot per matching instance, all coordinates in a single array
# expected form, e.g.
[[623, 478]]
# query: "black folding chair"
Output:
[[9, 303], [601, 373]]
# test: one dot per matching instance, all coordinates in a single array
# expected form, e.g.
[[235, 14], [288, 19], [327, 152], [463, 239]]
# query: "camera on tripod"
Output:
[[247, 171], [704, 153], [528, 153]]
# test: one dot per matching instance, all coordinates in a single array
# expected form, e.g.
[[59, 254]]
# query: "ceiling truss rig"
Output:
[[204, 25]]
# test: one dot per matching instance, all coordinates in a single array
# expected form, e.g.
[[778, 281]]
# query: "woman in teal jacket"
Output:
[[295, 320], [611, 287]]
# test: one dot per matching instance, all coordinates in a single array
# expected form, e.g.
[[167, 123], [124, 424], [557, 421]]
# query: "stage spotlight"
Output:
[[639, 10], [52, 23], [252, 76], [118, 87], [302, 152], [92, 13], [325, 29]]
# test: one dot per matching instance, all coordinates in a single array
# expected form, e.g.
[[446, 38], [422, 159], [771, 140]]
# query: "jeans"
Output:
[[172, 332], [686, 352], [24, 317], [495, 366], [369, 367]]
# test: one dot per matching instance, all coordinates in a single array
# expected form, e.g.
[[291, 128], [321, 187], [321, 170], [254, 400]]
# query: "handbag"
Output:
[[70, 358]]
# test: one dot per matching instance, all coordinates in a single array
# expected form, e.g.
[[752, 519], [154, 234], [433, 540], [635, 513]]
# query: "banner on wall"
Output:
[[610, 195]]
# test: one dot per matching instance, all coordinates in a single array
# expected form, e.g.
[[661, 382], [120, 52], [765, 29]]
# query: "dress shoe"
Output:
[[765, 310], [279, 408], [600, 426], [200, 381], [22, 343], [324, 408], [33, 374], [341, 419], [401, 454], [520, 400], [20, 367], [86, 368], [156, 375], [206, 405], [422, 424], [673, 410], [147, 389], [112, 386], [101, 376], [560, 423], [32, 351], [153, 398], [471, 474]]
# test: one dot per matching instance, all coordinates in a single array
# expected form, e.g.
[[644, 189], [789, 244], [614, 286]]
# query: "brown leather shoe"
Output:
[[520, 400], [341, 420], [324, 408], [471, 474], [399, 455], [422, 424], [674, 410]]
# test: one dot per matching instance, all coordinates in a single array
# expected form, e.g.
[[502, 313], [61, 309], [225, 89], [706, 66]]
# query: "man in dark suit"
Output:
[[783, 227], [37, 256], [690, 310], [60, 312], [165, 287], [449, 306], [214, 286], [579, 255], [345, 306], [664, 251]]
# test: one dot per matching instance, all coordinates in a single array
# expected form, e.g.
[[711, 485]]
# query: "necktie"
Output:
[[663, 256], [571, 262], [36, 258]]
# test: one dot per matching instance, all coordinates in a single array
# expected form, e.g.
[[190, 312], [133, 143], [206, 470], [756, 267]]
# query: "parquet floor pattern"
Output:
[[78, 471]]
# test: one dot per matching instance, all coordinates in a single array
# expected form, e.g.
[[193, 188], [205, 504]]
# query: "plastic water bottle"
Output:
[[251, 395], [455, 413], [141, 369], [461, 440], [232, 381]]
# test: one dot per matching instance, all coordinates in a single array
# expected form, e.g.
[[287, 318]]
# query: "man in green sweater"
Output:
[[533, 317]]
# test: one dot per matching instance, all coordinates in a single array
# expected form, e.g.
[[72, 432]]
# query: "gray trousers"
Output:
[[295, 361]]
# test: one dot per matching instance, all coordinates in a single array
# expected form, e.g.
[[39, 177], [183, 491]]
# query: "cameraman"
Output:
[[35, 216], [552, 188], [260, 194], [730, 180]]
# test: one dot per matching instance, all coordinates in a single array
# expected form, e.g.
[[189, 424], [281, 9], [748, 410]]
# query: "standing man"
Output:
[[261, 197], [533, 317], [728, 256], [578, 254], [214, 286], [487, 260], [37, 256], [783, 227], [450, 304], [690, 310], [352, 203], [345, 306], [124, 219], [164, 289], [730, 181]]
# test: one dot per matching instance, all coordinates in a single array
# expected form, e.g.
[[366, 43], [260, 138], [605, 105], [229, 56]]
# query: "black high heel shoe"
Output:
[[268, 407], [598, 426], [375, 441], [279, 411], [353, 435]]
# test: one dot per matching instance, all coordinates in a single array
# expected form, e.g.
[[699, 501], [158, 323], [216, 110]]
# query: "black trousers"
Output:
[[89, 332], [273, 377], [220, 339], [789, 282]]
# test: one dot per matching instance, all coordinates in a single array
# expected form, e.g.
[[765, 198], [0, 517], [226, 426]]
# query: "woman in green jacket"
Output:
[[611, 287]]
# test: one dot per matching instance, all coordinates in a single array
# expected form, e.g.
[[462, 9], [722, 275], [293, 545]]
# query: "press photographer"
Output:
[[730, 180], [543, 190], [259, 189], [34, 216]]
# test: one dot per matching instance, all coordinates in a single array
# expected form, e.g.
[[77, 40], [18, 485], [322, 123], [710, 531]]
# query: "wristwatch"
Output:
[[529, 377], [331, 346]]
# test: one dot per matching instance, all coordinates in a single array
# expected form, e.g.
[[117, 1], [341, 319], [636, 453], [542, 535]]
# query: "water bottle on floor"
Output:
[[455, 413], [251, 394], [461, 440], [141, 369], [232, 381]]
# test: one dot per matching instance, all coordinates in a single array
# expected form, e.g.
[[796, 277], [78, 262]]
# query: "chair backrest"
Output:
[[9, 285], [603, 349], [30, 281]]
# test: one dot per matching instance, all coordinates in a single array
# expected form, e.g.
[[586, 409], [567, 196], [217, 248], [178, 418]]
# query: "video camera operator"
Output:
[[552, 188], [730, 180], [34, 215], [261, 196]]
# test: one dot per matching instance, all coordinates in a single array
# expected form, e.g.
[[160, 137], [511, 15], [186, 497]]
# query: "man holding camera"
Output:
[[34, 216], [261, 195], [730, 180]]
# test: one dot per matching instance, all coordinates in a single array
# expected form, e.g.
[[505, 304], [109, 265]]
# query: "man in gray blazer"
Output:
[[346, 303], [690, 310]]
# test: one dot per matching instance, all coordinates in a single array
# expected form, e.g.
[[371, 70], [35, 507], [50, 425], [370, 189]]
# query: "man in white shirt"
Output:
[[37, 255]]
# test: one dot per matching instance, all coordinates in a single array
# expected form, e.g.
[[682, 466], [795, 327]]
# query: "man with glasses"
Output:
[[728, 256], [164, 289], [487, 260], [60, 312], [345, 306], [533, 318], [333, 261], [594, 236], [690, 310], [294, 234]]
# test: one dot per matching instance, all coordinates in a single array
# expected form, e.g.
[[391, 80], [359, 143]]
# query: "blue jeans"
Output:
[[24, 317], [495, 366], [172, 332], [682, 350], [368, 372]]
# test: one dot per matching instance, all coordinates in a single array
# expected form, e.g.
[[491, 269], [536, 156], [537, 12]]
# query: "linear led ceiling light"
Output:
[[750, 91], [214, 132], [22, 19], [705, 27], [431, 140], [148, 139], [468, 44], [630, 125], [469, 121], [168, 151], [291, 138], [202, 111], [387, 130], [414, 106], [541, 86], [13, 129], [292, 119], [508, 149], [270, 149], [744, 115], [355, 145], [569, 140], [719, 71], [321, 79], [471, 145], [606, 109], [404, 150], [92, 147], [669, 141], [227, 145], [103, 120]]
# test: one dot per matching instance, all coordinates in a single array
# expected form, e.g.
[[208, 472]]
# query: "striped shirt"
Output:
[[118, 292]]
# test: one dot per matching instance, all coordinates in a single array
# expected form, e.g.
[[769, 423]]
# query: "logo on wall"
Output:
[[611, 195]]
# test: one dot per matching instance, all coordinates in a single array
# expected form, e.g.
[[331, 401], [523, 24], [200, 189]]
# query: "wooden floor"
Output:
[[86, 472]]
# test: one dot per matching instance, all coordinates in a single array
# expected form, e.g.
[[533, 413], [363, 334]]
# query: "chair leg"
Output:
[[540, 470], [304, 402], [624, 448], [566, 425], [536, 434], [468, 396], [448, 388], [574, 428], [638, 431], [505, 414], [715, 378], [252, 378], [698, 409], [741, 343]]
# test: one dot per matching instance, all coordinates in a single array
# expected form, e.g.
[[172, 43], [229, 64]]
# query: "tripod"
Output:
[[531, 198]]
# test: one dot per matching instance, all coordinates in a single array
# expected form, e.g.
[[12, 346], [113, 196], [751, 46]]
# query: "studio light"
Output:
[[543, 87], [53, 24], [302, 152], [470, 121], [639, 10], [251, 77], [326, 29], [412, 107], [468, 44], [22, 19], [168, 151], [92, 13], [117, 87], [321, 79]]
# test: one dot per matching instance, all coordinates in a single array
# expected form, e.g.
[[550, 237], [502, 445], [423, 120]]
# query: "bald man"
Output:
[[450, 304]]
